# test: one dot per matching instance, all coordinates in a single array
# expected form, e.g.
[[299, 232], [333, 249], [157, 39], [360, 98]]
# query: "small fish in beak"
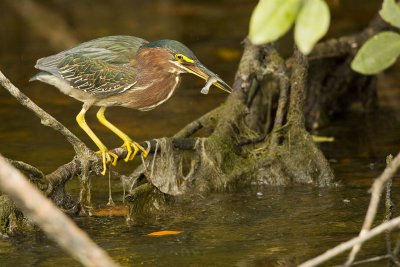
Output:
[[206, 88], [201, 71]]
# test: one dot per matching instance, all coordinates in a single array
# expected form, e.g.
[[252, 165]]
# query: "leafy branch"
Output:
[[383, 49]]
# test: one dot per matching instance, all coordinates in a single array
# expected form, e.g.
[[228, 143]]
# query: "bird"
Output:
[[122, 71]]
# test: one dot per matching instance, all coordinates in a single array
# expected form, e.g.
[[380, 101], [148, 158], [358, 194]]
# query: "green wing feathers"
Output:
[[100, 66], [95, 76]]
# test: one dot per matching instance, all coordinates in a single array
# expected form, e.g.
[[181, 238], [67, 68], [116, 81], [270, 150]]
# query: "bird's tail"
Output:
[[36, 77]]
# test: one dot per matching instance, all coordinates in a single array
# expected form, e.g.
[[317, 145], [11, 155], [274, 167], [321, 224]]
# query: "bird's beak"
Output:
[[201, 71]]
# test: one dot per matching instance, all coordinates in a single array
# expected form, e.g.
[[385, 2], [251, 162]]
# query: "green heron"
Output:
[[121, 71]]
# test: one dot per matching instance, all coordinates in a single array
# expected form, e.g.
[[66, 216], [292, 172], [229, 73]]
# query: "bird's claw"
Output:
[[107, 157], [132, 153]]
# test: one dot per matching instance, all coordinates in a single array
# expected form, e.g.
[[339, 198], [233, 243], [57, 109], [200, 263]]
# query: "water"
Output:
[[255, 227], [259, 227]]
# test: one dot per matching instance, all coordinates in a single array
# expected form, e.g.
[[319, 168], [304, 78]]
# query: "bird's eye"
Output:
[[183, 59]]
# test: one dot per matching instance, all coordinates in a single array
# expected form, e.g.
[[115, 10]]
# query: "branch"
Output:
[[352, 242], [365, 233], [67, 171], [377, 188], [395, 252], [373, 259], [388, 207], [50, 219]]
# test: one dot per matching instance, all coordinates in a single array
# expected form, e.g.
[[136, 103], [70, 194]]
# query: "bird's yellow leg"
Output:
[[106, 155], [128, 143]]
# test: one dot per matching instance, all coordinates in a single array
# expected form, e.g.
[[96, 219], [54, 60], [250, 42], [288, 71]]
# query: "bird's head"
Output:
[[183, 60]]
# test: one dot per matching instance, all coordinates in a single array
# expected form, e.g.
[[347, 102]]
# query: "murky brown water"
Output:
[[258, 227]]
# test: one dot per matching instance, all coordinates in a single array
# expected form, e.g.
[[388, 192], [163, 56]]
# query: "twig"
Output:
[[377, 188], [373, 259], [322, 139], [50, 219], [388, 207], [395, 253], [365, 233], [329, 254]]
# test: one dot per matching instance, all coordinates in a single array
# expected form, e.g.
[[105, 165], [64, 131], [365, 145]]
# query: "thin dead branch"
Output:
[[388, 208], [366, 232], [376, 192], [329, 254]]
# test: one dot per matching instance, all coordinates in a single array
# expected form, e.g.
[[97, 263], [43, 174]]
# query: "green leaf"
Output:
[[312, 23], [271, 19], [377, 53], [390, 12]]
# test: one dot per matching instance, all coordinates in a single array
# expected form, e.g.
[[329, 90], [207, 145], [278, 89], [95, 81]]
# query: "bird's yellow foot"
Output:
[[129, 144], [107, 157]]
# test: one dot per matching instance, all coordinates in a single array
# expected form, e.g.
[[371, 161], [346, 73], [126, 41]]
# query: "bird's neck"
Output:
[[152, 64], [155, 81]]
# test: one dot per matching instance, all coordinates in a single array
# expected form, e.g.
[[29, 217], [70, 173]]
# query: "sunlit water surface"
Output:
[[259, 226]]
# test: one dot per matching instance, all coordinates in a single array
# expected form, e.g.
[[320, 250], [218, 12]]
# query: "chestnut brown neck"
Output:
[[153, 64], [157, 79]]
